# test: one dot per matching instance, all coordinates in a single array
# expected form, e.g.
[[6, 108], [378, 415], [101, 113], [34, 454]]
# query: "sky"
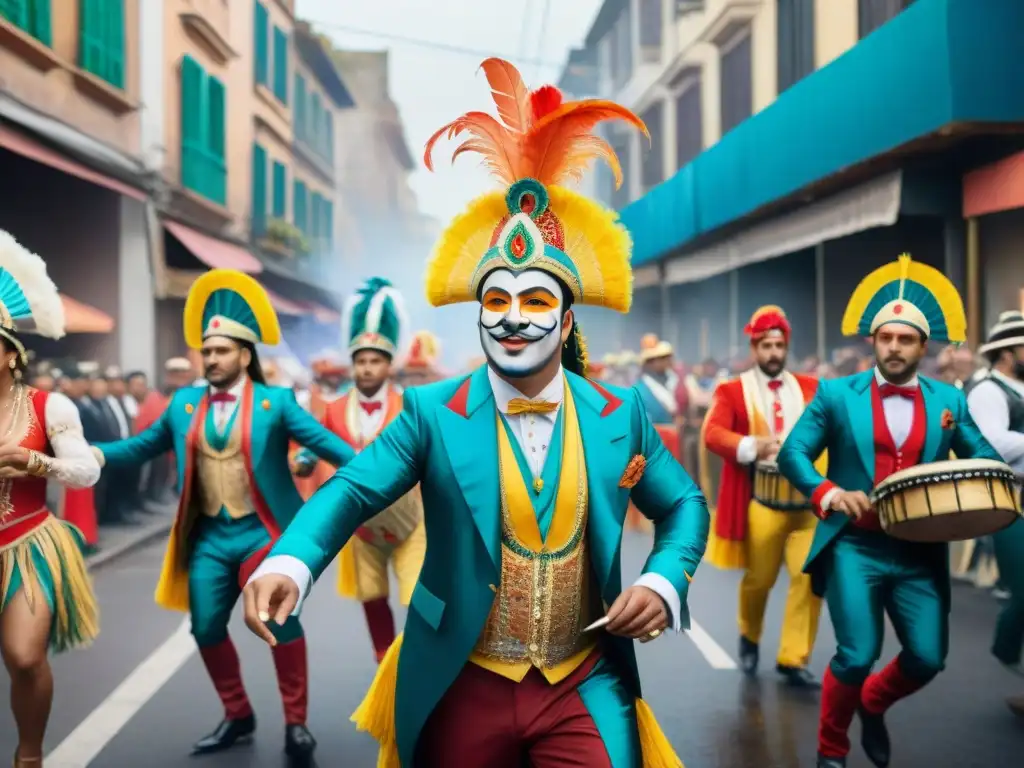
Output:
[[432, 86]]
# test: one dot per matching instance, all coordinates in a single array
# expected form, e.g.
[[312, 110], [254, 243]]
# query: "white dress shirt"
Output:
[[532, 431], [370, 423], [123, 428], [533, 434], [131, 406], [222, 410], [792, 406], [991, 412], [899, 417]]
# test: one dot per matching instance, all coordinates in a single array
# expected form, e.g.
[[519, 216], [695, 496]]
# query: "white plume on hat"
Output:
[[44, 314]]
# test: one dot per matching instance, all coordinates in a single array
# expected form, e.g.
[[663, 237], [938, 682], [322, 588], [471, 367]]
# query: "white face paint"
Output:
[[520, 320]]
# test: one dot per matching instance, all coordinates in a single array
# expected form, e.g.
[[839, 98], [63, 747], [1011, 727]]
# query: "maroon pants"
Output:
[[485, 720]]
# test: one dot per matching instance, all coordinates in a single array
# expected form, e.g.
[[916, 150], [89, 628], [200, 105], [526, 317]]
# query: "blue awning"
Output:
[[938, 62]]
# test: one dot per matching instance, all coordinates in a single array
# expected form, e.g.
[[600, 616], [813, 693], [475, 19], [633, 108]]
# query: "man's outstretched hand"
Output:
[[269, 598]]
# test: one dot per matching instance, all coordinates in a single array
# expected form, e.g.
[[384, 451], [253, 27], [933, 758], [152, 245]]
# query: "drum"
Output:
[[776, 492], [948, 501]]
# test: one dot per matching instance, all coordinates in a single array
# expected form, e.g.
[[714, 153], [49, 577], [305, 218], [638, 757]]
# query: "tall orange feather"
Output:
[[539, 136]]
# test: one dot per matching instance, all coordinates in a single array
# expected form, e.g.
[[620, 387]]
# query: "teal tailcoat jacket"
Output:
[[446, 440], [840, 419], [269, 418]]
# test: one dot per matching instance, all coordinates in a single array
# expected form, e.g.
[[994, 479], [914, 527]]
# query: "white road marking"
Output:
[[97, 730], [712, 652]]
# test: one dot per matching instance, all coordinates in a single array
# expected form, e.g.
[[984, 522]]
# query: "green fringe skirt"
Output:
[[47, 564]]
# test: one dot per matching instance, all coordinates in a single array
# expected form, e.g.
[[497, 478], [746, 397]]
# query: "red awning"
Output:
[[996, 187], [214, 253], [81, 318], [285, 306], [33, 150]]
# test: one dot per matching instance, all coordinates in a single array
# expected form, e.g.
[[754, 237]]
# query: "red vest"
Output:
[[888, 458]]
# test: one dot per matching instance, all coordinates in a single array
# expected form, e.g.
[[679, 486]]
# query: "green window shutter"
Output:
[[281, 65], [328, 224], [315, 121], [300, 107], [314, 224], [216, 141], [192, 140], [101, 39], [280, 190], [262, 33], [328, 135], [17, 12], [299, 207], [259, 189], [39, 23]]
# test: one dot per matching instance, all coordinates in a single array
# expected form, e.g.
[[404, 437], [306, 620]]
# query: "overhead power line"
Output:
[[429, 44]]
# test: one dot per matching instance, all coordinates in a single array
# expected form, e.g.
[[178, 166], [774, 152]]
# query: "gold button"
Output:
[[534, 648]]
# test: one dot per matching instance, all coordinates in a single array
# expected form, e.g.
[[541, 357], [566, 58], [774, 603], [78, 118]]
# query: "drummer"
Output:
[[997, 405], [747, 420], [874, 424]]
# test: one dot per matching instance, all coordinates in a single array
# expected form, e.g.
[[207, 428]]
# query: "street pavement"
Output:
[[140, 696]]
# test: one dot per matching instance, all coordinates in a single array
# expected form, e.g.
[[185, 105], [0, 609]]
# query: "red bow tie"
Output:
[[371, 407], [222, 397], [892, 390], [775, 385]]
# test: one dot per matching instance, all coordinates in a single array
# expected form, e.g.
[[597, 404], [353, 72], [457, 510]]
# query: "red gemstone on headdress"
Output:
[[518, 245], [897, 309], [215, 323], [527, 204]]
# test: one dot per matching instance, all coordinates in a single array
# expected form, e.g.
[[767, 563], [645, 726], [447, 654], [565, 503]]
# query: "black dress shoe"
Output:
[[831, 762], [226, 735], [874, 737], [798, 677], [299, 745], [748, 656]]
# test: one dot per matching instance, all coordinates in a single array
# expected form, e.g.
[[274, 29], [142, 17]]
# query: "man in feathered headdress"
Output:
[[874, 424], [230, 438], [524, 525], [748, 419], [375, 322], [421, 363]]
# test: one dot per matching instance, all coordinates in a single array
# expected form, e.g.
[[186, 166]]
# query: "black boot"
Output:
[[874, 737], [749, 654], [830, 762], [299, 745], [226, 735], [798, 677]]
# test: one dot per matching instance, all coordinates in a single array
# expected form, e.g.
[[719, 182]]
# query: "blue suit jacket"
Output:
[[276, 418], [446, 440], [840, 419]]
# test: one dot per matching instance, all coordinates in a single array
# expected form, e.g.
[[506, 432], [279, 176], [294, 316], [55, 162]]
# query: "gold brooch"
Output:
[[266, 405], [634, 471], [538, 485], [189, 408], [948, 422]]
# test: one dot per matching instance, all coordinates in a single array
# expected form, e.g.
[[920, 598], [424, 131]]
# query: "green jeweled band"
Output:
[[551, 260]]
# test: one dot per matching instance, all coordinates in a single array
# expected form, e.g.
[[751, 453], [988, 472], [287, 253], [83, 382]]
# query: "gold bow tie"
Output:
[[519, 406]]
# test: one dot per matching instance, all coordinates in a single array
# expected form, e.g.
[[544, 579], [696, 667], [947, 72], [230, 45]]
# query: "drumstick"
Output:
[[602, 622]]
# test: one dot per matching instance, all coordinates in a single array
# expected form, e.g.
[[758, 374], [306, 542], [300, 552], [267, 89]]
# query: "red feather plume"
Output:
[[538, 135]]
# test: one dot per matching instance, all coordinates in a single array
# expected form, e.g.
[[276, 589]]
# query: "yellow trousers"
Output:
[[774, 537], [372, 565]]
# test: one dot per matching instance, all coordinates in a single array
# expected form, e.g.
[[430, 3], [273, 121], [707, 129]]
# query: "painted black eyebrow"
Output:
[[502, 291], [541, 289]]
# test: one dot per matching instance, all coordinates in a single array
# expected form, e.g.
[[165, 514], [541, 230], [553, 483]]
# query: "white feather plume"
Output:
[[29, 272]]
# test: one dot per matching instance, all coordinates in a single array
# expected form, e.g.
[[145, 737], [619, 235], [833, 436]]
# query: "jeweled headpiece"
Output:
[[374, 318], [225, 302], [539, 143]]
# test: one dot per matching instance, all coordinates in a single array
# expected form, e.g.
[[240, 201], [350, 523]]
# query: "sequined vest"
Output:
[[546, 595], [223, 478]]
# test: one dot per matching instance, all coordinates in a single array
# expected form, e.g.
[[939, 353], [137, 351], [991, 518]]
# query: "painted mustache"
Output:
[[521, 329]]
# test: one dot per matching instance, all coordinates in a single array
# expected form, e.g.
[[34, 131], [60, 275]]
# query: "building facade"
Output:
[[70, 96], [797, 144]]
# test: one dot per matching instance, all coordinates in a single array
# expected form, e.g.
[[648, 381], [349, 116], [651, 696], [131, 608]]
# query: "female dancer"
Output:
[[46, 600]]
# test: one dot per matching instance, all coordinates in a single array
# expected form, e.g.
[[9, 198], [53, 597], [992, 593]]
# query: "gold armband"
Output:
[[38, 464]]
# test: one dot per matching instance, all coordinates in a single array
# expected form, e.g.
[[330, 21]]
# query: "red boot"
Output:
[[381, 622], [838, 706], [292, 679], [225, 671]]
